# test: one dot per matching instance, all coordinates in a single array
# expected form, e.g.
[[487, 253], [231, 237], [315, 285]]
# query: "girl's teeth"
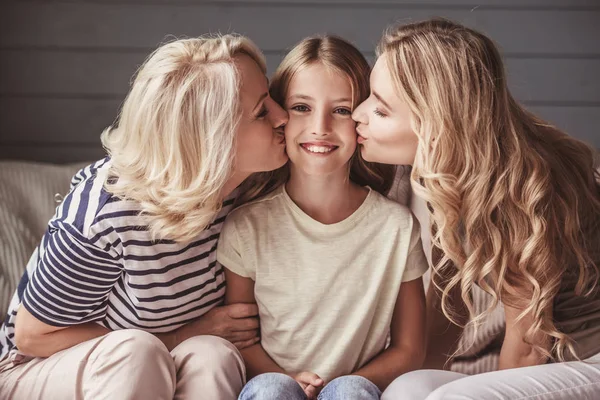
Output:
[[319, 149]]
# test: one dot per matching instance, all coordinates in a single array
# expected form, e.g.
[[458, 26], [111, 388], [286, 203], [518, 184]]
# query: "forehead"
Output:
[[251, 76], [382, 82], [319, 78]]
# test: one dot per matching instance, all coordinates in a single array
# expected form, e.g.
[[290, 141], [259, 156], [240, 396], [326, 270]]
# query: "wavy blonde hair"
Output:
[[173, 147], [340, 56], [515, 202]]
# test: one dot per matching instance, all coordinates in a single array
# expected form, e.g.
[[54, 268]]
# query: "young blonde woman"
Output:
[[123, 297], [514, 208]]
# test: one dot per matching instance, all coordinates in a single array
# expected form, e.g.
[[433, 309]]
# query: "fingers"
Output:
[[242, 310], [311, 392], [310, 378], [246, 343], [244, 324], [242, 336], [310, 383]]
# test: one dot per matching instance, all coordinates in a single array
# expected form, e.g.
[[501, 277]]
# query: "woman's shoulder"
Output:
[[89, 171], [87, 199]]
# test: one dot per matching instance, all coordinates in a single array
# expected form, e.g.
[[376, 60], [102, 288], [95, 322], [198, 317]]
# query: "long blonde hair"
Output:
[[342, 57], [515, 202], [173, 147]]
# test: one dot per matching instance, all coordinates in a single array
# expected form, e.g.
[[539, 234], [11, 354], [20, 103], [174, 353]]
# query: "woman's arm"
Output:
[[442, 334], [241, 290], [515, 352], [236, 323], [38, 339], [407, 348]]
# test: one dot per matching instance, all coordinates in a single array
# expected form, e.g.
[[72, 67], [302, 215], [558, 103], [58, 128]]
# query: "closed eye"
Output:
[[379, 113], [263, 113]]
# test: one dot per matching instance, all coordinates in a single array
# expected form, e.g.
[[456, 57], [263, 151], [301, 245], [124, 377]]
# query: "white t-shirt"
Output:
[[326, 293]]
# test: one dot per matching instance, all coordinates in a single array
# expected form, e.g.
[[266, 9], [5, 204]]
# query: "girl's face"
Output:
[[384, 121], [320, 135], [260, 144]]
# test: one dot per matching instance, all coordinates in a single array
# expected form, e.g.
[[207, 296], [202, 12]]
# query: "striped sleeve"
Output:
[[87, 172], [72, 281]]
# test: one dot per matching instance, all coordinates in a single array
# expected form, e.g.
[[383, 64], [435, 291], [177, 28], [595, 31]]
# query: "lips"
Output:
[[319, 147], [360, 138]]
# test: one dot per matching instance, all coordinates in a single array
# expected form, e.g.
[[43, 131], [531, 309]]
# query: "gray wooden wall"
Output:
[[65, 65]]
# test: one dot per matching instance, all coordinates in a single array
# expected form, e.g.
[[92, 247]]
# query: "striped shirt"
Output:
[[97, 262]]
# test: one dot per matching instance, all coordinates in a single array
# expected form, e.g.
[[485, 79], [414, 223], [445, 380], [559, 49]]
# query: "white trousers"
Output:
[[577, 380]]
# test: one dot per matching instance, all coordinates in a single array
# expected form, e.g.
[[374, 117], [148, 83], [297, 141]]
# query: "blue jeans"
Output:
[[274, 386]]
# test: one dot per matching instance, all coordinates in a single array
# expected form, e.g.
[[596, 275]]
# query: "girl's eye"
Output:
[[343, 111], [263, 113], [300, 108], [379, 113]]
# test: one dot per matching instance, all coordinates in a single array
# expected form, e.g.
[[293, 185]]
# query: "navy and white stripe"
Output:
[[98, 262]]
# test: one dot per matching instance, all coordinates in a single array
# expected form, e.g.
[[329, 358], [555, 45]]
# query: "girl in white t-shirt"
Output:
[[324, 253]]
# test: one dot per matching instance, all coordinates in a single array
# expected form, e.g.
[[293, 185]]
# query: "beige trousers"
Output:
[[129, 364]]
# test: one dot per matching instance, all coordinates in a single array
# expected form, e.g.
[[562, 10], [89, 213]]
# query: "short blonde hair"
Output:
[[340, 56], [173, 147]]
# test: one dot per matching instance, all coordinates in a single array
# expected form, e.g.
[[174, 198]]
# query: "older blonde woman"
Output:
[[514, 208], [123, 297]]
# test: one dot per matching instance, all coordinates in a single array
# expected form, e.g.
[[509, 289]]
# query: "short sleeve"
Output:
[[416, 262], [72, 280], [230, 253]]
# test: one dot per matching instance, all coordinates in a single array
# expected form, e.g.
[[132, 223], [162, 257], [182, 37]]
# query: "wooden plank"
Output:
[[144, 26], [561, 80], [109, 73], [366, 3], [62, 154], [81, 72], [80, 121], [580, 122], [58, 121], [66, 72]]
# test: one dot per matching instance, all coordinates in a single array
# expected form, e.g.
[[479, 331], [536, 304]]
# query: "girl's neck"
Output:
[[328, 198]]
